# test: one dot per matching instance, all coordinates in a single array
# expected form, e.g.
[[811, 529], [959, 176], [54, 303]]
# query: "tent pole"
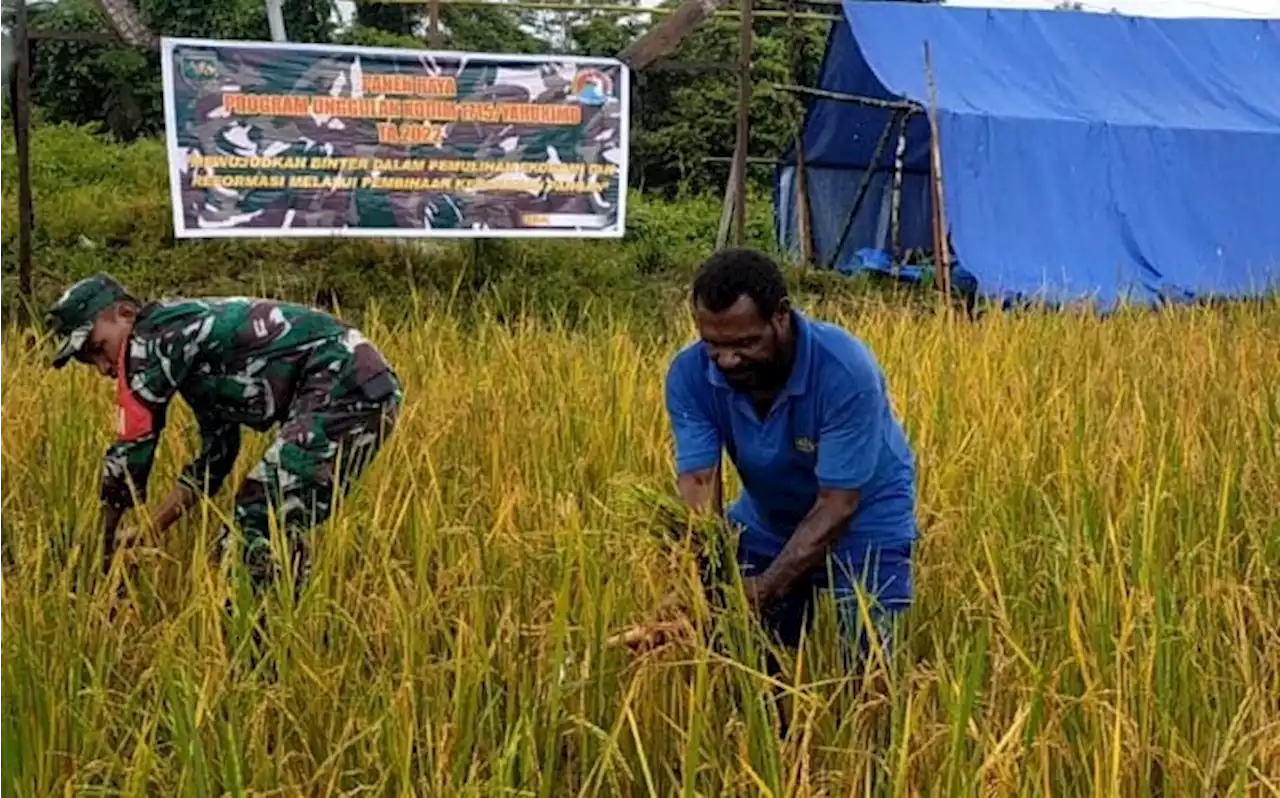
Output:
[[852, 99], [804, 215], [804, 218], [941, 250], [895, 207], [864, 186]]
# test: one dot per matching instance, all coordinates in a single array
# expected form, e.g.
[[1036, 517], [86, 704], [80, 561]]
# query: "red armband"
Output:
[[133, 418]]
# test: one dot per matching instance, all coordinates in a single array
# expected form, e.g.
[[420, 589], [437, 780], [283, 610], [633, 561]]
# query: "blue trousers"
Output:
[[885, 574]]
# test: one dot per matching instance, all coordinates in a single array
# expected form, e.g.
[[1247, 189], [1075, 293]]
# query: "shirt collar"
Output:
[[798, 380]]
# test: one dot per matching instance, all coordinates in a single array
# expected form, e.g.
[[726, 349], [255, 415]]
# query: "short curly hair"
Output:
[[730, 274]]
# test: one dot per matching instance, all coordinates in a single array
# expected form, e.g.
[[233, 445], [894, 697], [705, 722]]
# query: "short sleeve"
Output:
[[697, 439], [851, 434]]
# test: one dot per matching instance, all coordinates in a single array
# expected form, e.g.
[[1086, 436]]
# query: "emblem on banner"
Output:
[[199, 67], [592, 87]]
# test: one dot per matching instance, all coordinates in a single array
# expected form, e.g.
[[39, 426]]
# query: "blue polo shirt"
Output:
[[831, 426]]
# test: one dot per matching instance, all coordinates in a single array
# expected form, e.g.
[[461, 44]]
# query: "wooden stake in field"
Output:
[[733, 214], [744, 111], [22, 141], [941, 249]]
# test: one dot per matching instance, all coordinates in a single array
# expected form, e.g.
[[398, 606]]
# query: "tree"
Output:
[[399, 19], [117, 87]]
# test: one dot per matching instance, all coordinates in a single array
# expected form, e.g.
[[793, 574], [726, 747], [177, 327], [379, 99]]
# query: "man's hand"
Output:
[[758, 591], [701, 491], [174, 506]]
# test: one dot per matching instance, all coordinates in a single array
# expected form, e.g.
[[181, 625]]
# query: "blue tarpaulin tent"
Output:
[[1083, 155]]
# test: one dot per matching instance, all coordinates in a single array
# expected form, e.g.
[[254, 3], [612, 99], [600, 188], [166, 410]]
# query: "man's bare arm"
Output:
[[702, 491], [806, 549]]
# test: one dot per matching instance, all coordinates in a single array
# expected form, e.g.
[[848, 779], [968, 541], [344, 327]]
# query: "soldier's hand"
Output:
[[113, 543], [643, 637]]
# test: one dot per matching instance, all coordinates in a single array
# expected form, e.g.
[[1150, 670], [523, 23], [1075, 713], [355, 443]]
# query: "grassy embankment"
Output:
[[1099, 582]]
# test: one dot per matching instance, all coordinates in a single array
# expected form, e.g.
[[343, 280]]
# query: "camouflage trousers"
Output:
[[321, 448]]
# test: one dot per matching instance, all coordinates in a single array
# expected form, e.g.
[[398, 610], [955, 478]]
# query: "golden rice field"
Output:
[[1098, 606]]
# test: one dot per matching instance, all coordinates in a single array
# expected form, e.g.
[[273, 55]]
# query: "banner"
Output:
[[278, 139]]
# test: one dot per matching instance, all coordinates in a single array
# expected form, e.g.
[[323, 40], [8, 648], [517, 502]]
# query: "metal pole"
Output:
[[22, 141], [744, 110], [275, 20]]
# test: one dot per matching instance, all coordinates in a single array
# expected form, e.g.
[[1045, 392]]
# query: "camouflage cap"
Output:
[[71, 318]]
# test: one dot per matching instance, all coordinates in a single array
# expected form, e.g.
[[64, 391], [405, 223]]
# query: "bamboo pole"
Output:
[[941, 251], [854, 99], [726, 210], [804, 218]]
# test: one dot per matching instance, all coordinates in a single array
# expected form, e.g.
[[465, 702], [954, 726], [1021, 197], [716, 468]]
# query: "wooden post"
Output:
[[744, 111], [435, 23], [804, 221], [941, 251], [662, 38], [726, 210], [22, 142]]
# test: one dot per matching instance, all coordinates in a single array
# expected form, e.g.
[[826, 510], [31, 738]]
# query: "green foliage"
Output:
[[117, 88], [309, 20], [679, 120], [394, 19], [363, 36], [490, 30]]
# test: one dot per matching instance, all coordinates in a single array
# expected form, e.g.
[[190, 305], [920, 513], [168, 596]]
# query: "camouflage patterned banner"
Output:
[[280, 139]]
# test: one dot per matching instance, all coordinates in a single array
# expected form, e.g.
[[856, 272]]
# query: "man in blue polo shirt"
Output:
[[802, 409]]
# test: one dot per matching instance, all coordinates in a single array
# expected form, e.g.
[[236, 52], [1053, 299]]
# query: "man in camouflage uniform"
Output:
[[237, 361]]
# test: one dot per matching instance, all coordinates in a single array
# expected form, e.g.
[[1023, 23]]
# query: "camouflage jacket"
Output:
[[235, 361]]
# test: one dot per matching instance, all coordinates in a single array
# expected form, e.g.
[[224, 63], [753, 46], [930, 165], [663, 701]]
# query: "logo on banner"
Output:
[[592, 86], [199, 67]]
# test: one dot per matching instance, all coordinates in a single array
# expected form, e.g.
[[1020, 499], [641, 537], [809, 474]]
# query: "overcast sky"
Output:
[[1144, 8]]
